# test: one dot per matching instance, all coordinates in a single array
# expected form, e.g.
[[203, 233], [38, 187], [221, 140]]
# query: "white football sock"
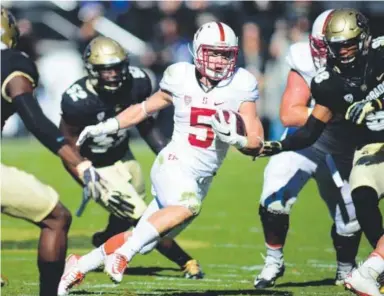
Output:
[[92, 260], [275, 252], [143, 234], [373, 266]]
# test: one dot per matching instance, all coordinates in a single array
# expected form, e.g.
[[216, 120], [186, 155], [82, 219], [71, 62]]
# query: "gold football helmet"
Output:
[[107, 64], [347, 36], [9, 30]]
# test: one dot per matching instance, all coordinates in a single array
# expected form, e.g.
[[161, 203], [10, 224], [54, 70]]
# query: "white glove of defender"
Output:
[[109, 126], [227, 132], [375, 121]]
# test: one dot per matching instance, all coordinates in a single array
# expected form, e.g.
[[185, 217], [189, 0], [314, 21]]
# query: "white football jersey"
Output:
[[193, 138], [299, 58]]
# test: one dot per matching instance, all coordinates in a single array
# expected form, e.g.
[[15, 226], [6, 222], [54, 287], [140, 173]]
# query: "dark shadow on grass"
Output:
[[75, 242], [324, 282], [84, 292], [148, 271], [223, 292]]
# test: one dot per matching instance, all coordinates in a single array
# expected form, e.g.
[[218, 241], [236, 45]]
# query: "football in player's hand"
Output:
[[240, 126]]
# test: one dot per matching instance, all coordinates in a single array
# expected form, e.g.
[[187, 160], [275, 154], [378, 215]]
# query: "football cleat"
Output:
[[343, 270], [71, 276], [272, 270], [361, 285], [115, 265], [192, 270], [3, 280], [380, 280]]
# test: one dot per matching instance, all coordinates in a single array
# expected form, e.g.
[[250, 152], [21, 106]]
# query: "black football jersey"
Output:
[[82, 106], [14, 63], [337, 93]]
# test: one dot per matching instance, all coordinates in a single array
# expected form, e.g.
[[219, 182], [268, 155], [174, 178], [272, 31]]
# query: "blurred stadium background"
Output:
[[227, 238], [157, 34]]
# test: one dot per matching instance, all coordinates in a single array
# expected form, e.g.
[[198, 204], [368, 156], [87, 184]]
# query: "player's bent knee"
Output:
[[348, 229], [277, 206], [59, 218], [191, 202]]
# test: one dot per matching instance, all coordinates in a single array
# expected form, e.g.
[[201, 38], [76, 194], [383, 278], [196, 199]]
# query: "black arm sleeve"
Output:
[[304, 136], [152, 135], [37, 123]]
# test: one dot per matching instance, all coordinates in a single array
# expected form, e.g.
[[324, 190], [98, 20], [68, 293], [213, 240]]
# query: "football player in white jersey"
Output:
[[183, 170], [328, 161]]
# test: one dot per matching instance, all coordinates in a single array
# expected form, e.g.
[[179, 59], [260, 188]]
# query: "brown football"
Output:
[[239, 121]]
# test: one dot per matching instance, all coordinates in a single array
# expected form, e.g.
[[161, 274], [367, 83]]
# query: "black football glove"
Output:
[[271, 148], [358, 111]]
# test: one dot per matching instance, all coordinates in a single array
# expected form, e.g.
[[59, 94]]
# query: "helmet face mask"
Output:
[[215, 49], [110, 77], [216, 62], [107, 64], [318, 51]]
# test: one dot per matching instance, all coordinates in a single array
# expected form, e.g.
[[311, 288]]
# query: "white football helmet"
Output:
[[316, 39], [215, 37]]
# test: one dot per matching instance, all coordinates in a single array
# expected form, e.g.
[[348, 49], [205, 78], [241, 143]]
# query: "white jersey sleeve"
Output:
[[299, 58], [174, 78], [245, 88]]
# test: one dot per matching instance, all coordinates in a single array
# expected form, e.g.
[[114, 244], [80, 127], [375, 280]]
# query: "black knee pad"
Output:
[[275, 226], [346, 247]]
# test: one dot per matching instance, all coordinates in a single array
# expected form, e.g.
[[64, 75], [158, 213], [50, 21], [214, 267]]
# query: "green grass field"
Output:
[[227, 238]]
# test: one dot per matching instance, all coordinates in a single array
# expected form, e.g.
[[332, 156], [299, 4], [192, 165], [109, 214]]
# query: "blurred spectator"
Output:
[[168, 47], [265, 30], [252, 55]]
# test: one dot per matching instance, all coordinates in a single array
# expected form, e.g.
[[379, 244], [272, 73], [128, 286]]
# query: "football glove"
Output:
[[118, 204], [94, 186], [109, 126], [358, 111], [375, 121], [227, 131], [271, 148]]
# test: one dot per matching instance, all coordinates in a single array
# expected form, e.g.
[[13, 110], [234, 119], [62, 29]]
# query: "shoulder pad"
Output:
[[244, 80], [73, 101], [378, 42], [174, 76], [16, 63], [136, 72], [299, 58], [322, 87], [245, 84]]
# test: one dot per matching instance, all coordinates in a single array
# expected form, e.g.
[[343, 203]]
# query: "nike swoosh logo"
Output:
[[379, 77], [217, 104]]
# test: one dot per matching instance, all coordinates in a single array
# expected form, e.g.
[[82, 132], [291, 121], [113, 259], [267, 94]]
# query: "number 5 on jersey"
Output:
[[203, 135]]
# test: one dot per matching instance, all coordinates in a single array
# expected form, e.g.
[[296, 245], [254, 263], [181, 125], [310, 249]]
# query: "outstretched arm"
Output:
[[131, 116], [302, 137]]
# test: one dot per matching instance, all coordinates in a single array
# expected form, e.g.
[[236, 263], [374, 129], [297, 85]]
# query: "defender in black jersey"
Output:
[[351, 88], [23, 195], [110, 87]]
